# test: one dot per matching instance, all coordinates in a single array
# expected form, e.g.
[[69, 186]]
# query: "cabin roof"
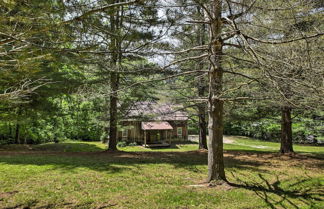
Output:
[[154, 111], [163, 125]]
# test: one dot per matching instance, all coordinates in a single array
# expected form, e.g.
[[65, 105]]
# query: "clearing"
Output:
[[82, 175]]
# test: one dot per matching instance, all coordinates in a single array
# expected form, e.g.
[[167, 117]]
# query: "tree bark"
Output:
[[17, 133], [201, 85], [10, 130], [116, 56], [286, 131], [114, 80], [17, 130], [202, 127], [216, 170]]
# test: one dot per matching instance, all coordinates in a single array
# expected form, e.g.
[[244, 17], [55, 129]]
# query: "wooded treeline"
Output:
[[69, 69]]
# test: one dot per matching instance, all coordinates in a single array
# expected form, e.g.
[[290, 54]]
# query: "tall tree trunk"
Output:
[[115, 48], [202, 126], [216, 170], [201, 85], [10, 130], [286, 131], [114, 80], [17, 130], [17, 133]]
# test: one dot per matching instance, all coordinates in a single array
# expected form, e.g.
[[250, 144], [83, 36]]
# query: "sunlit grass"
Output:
[[156, 180], [81, 175], [246, 143], [238, 143]]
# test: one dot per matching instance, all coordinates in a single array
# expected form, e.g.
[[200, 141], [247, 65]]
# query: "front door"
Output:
[[153, 136]]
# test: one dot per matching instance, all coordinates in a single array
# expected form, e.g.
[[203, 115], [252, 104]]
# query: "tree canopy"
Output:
[[71, 69]]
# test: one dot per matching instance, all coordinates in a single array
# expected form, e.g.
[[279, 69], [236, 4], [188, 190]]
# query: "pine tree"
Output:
[[243, 25], [117, 35]]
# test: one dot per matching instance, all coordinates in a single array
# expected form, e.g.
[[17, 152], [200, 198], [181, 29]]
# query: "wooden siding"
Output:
[[136, 134]]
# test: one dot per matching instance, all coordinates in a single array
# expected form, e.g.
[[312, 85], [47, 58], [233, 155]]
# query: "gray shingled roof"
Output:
[[154, 111], [156, 125]]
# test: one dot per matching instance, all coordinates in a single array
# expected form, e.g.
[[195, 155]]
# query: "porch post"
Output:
[[187, 136], [170, 139], [144, 138], [134, 130]]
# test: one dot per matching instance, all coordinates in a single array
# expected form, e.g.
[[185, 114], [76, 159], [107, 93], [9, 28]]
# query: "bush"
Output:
[[132, 144], [4, 141], [104, 137], [122, 144], [262, 129]]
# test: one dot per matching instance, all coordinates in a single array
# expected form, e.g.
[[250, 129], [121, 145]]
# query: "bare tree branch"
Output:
[[283, 41], [78, 18]]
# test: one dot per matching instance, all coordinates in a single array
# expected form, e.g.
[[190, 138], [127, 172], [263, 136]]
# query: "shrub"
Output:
[[104, 137], [132, 144], [122, 144]]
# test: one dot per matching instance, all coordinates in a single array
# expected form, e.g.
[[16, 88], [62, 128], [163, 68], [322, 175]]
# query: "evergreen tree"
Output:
[[117, 35], [243, 25]]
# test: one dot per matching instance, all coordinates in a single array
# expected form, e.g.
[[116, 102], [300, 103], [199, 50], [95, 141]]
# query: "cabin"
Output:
[[154, 124]]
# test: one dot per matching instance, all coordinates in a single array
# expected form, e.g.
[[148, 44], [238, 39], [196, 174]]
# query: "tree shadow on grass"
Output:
[[115, 162], [305, 190], [53, 147], [171, 146], [315, 155], [306, 160], [69, 147], [35, 204], [189, 161], [274, 194]]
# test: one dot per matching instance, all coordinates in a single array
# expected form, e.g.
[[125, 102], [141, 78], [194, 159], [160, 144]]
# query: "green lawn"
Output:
[[82, 175], [239, 143], [249, 144]]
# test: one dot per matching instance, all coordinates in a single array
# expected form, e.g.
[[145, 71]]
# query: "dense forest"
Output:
[[70, 69]]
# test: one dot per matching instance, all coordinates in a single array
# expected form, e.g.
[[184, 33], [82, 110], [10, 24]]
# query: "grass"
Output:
[[80, 175], [249, 144], [238, 143]]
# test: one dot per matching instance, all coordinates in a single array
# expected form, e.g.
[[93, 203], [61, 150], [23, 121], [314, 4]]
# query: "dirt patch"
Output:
[[276, 160], [232, 158], [222, 186], [226, 139], [4, 195]]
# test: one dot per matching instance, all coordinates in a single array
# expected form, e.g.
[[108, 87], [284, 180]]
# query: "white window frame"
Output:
[[179, 131], [125, 133]]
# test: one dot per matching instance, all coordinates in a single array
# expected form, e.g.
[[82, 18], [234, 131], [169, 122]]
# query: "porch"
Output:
[[157, 134]]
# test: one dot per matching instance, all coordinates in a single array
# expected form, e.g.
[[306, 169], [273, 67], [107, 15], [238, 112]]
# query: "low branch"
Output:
[[198, 22], [284, 41], [232, 16], [160, 79], [21, 92], [186, 59], [101, 9], [241, 74], [233, 45], [243, 98], [197, 48]]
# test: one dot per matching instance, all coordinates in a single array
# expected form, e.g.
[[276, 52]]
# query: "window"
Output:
[[179, 131], [125, 133]]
